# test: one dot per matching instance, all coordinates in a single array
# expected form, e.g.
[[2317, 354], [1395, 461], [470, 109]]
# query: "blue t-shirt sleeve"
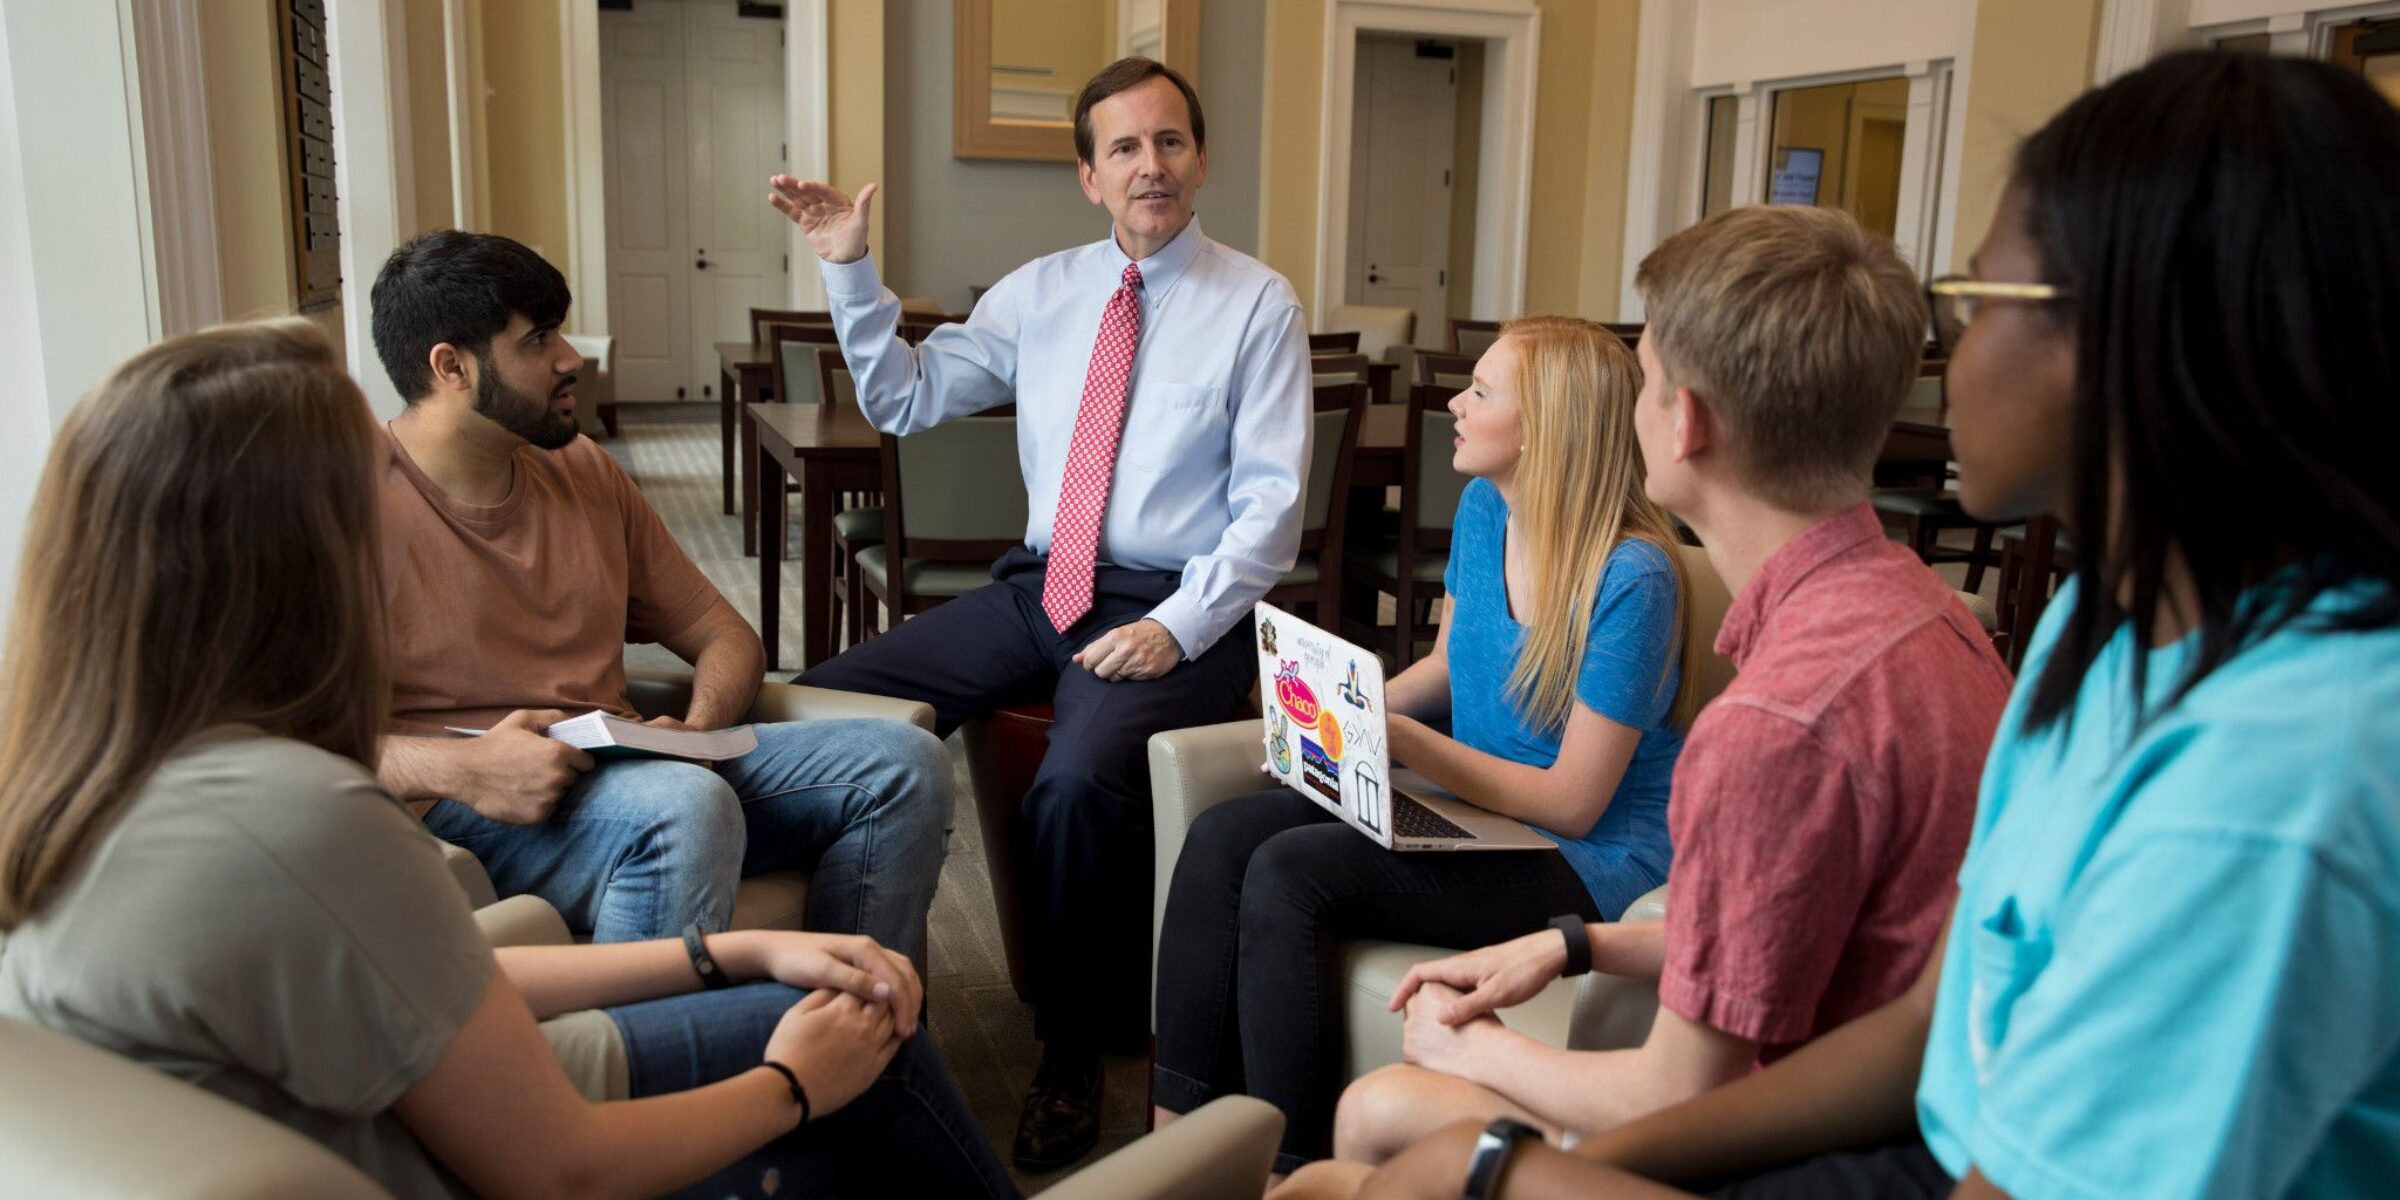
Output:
[[2208, 1003], [1631, 652], [1475, 510]]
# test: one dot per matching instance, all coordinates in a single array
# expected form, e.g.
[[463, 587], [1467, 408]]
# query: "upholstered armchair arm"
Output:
[[76, 1120], [1612, 1012], [1191, 771], [1223, 1148], [523, 920], [669, 693]]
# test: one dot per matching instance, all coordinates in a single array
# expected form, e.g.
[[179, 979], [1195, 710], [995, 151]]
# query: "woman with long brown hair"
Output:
[[1558, 672], [198, 870]]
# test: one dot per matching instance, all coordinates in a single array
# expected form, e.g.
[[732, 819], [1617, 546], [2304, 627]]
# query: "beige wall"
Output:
[[854, 93], [525, 126], [1287, 218], [245, 134], [2031, 57], [428, 119]]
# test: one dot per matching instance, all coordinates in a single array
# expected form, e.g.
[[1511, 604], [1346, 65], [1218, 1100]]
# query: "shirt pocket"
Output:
[[1174, 423], [2006, 958]]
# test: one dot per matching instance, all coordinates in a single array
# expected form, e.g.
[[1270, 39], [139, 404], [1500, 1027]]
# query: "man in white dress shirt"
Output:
[[1162, 391]]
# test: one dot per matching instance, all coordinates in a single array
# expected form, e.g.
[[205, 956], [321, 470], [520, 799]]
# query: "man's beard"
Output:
[[526, 416]]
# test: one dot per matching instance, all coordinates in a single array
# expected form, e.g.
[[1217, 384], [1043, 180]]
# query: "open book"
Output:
[[607, 735]]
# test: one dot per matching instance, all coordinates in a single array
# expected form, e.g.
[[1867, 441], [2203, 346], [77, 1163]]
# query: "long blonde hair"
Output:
[[1579, 493], [202, 550]]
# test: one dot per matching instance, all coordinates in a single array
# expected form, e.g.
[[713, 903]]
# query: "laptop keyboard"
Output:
[[1411, 819]]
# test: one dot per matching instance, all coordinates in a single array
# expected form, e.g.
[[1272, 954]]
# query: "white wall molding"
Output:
[[365, 178], [1511, 33], [459, 76]]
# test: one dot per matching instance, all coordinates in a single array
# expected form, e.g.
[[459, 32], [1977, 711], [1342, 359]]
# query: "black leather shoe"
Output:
[[1061, 1122]]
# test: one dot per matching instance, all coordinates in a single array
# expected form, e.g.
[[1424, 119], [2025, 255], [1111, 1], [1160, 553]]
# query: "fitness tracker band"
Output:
[[1579, 945], [1492, 1148], [711, 977]]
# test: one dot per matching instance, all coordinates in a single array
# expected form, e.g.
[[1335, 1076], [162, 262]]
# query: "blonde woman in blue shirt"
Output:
[[1558, 673]]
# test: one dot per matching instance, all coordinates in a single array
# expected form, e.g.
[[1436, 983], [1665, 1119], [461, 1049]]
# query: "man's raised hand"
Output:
[[834, 224]]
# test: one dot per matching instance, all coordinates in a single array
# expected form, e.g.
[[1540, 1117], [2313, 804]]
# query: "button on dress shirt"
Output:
[[1212, 467]]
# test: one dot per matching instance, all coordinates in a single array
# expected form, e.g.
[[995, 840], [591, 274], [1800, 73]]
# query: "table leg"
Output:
[[727, 402], [816, 563], [775, 513], [752, 488]]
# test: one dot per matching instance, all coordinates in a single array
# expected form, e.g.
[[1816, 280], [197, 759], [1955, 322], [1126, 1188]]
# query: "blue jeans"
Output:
[[908, 1134], [639, 848]]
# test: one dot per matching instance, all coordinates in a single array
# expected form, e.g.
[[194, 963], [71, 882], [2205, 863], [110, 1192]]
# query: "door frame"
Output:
[[1918, 229], [1511, 33]]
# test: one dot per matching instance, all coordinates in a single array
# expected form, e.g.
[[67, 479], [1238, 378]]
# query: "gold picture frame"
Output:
[[977, 132]]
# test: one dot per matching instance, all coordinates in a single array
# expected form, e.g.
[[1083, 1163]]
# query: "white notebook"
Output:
[[607, 735]]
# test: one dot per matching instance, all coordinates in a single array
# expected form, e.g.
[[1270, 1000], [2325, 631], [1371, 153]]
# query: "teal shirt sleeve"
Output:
[[2206, 1003]]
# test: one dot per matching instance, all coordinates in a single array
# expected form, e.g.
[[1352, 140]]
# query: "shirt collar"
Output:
[[1160, 270], [1832, 538]]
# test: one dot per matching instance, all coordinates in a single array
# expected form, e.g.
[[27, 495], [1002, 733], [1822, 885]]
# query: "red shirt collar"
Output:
[[1833, 538]]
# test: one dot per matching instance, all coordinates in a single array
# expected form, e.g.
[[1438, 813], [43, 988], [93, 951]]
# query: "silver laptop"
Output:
[[1326, 739]]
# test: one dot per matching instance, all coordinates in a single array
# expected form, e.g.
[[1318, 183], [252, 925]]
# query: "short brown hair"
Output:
[[1125, 74], [1802, 331], [202, 550]]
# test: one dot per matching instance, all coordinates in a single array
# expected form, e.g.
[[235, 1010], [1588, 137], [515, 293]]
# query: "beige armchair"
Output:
[[1192, 770], [776, 899], [77, 1121]]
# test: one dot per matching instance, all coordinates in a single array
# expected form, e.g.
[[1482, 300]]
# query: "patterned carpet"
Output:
[[985, 1034]]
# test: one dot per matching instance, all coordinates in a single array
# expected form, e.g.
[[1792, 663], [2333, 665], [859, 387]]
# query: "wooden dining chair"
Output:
[[1336, 342], [1452, 371], [1627, 332], [760, 318], [858, 516], [793, 358], [953, 501], [1313, 586], [1472, 338], [1336, 368], [1409, 568]]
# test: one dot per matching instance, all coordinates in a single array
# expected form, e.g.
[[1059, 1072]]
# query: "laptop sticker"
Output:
[[1366, 796], [1354, 695], [1279, 744], [1320, 771], [1266, 637], [1329, 734]]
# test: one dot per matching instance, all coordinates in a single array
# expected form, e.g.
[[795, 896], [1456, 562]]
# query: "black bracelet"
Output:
[[711, 976], [1579, 944], [1492, 1148], [799, 1094]]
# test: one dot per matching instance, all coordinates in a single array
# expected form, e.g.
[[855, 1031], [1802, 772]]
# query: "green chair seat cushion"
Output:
[[1303, 573], [859, 526], [924, 577], [1384, 562]]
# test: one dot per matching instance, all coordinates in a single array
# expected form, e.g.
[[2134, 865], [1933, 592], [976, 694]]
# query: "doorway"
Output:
[[692, 121], [1404, 146]]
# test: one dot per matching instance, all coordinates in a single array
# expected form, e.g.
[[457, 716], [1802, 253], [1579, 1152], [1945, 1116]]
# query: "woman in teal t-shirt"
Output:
[[2173, 968], [1558, 670]]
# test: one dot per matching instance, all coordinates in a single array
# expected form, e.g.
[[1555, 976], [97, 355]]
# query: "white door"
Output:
[[740, 244], [692, 117], [1406, 107], [649, 245]]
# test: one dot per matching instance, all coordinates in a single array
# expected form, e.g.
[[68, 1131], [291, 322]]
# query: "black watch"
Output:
[[712, 976], [1579, 945], [1492, 1148]]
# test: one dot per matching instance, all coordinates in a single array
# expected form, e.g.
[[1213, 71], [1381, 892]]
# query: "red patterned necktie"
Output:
[[1092, 458]]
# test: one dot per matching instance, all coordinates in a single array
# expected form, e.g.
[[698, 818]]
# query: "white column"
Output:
[[808, 129], [366, 178], [74, 298], [587, 184], [2133, 32], [1662, 131]]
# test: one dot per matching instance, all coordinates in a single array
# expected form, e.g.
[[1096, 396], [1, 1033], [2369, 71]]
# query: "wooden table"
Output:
[[828, 450], [834, 450], [745, 373]]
